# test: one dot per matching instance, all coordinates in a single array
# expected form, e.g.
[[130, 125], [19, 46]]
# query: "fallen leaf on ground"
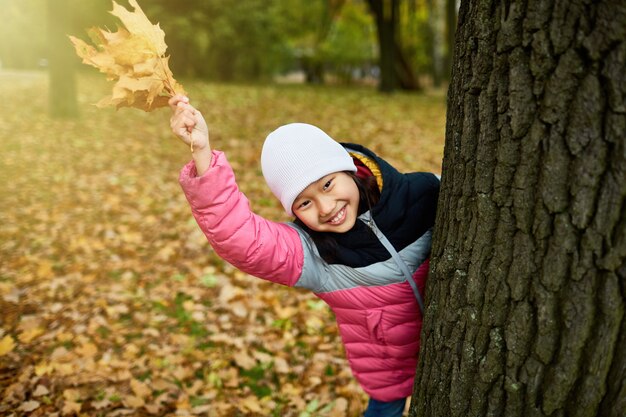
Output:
[[40, 390], [29, 406], [28, 336], [7, 344], [71, 408], [140, 389]]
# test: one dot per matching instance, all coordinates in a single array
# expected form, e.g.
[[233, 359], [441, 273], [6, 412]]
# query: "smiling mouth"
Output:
[[339, 217]]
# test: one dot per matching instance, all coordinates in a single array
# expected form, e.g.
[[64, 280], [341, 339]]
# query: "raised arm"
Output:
[[189, 125], [255, 245]]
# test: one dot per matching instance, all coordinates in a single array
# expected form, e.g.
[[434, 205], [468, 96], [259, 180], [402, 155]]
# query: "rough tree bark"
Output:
[[526, 298]]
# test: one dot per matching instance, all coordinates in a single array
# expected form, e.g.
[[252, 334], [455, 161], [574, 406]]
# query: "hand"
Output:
[[188, 124]]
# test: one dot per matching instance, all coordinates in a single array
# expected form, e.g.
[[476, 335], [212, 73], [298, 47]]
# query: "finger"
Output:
[[183, 131], [178, 98], [189, 123], [186, 109], [197, 115], [177, 119], [173, 101], [180, 108], [181, 122]]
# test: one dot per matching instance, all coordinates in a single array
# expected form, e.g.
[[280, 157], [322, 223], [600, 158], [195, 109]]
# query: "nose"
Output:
[[326, 206]]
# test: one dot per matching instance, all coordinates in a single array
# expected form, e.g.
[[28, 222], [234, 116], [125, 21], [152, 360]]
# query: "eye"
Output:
[[304, 204], [328, 184]]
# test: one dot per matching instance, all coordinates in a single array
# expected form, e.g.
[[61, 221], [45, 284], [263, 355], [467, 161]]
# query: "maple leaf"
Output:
[[133, 57]]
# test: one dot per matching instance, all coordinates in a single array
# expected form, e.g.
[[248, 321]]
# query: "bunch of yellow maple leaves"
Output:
[[133, 57]]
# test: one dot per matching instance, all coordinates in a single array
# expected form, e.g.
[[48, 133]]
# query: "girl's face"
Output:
[[330, 204]]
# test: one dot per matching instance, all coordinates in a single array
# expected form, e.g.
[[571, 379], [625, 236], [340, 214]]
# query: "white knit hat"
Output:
[[298, 154]]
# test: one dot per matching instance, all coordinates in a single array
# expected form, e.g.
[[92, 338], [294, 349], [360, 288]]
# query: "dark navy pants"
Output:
[[377, 408]]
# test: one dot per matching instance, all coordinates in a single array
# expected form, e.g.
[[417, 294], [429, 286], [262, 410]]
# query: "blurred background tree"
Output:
[[395, 44], [33, 35]]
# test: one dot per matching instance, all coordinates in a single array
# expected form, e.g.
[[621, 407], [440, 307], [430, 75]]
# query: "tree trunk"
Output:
[[62, 95], [395, 68], [407, 79], [526, 297], [385, 13]]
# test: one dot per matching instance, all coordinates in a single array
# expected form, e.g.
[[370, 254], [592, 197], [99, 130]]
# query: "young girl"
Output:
[[360, 239]]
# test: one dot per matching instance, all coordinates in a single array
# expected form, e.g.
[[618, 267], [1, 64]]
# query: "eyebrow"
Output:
[[327, 177]]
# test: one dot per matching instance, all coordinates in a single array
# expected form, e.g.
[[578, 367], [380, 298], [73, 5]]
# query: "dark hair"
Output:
[[369, 195]]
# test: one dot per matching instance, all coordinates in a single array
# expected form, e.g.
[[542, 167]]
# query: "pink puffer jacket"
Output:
[[376, 310]]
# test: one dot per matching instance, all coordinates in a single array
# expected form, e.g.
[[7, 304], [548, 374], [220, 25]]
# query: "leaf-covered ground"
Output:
[[113, 304]]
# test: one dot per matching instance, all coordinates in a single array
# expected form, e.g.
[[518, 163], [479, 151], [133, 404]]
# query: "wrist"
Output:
[[195, 148], [202, 158]]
